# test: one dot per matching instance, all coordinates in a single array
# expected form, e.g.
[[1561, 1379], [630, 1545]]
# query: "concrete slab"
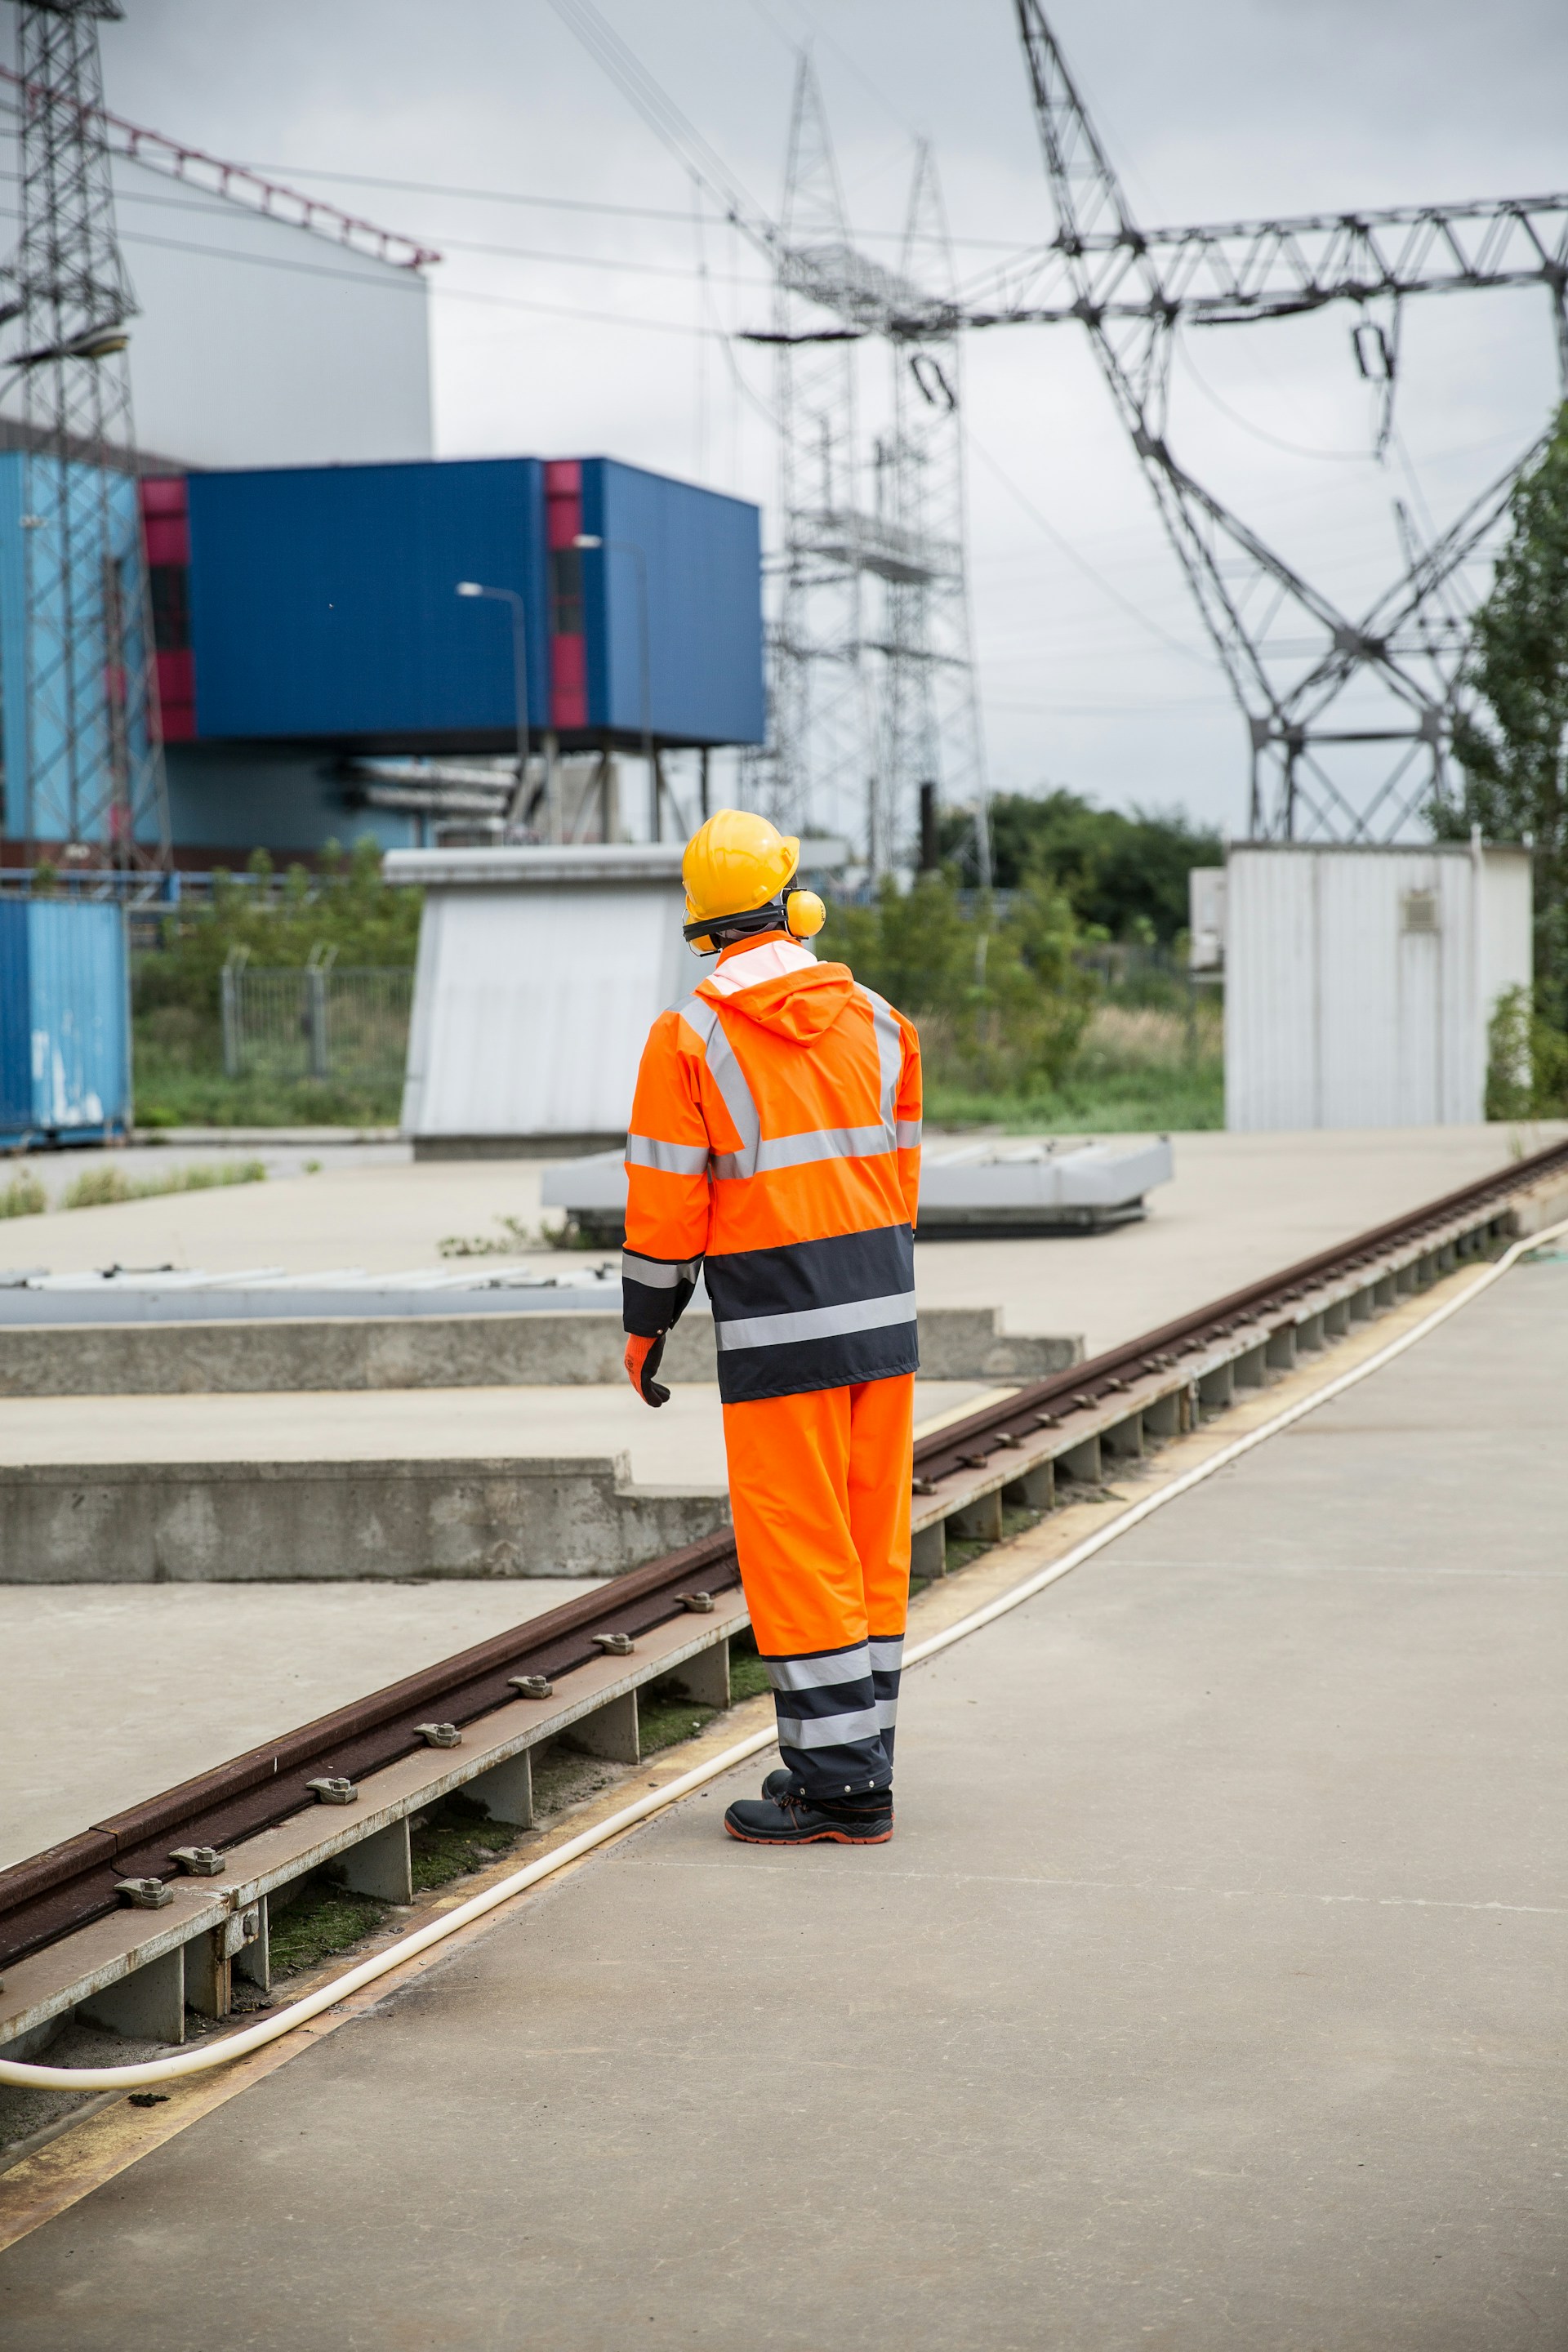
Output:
[[115, 1692], [680, 1445], [1207, 1995], [1239, 1207]]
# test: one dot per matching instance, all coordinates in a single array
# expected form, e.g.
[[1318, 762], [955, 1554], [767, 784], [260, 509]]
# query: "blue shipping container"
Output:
[[65, 1042]]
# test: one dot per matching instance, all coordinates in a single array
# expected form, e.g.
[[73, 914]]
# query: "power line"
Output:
[[1292, 448], [584, 204], [1188, 653], [403, 283]]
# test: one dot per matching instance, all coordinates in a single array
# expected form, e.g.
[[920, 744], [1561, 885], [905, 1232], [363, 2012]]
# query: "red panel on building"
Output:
[[165, 525], [568, 647]]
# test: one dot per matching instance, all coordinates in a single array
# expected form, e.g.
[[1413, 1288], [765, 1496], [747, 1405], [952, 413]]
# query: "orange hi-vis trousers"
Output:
[[819, 1488]]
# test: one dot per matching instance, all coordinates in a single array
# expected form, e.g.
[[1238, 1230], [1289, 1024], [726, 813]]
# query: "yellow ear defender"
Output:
[[804, 914]]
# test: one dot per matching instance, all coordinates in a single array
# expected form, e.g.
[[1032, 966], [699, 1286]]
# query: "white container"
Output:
[[1359, 983], [540, 971]]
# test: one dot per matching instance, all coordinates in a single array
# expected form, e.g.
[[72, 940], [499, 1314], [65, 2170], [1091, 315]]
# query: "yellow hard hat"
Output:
[[736, 865]]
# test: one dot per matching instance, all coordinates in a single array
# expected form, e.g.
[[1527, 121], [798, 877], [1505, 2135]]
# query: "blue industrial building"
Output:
[[306, 618]]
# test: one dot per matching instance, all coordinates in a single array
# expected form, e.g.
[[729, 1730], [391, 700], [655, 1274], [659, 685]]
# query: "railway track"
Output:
[[176, 1889]]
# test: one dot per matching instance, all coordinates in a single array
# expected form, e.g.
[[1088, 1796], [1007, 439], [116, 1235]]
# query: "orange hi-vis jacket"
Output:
[[774, 1146]]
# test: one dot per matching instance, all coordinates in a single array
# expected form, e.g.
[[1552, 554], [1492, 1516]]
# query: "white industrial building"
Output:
[[270, 329], [1360, 984]]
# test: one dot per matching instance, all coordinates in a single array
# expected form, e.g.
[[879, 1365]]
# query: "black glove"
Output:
[[642, 1373]]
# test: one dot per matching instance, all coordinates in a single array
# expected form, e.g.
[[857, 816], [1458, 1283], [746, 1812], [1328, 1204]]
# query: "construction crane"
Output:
[[1298, 664], [90, 784]]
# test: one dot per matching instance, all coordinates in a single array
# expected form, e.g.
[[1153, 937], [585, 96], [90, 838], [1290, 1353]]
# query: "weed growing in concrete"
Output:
[[24, 1196], [103, 1186], [513, 1238]]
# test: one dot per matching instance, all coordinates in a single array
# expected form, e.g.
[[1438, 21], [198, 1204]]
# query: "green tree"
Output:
[[1123, 876], [1514, 756], [346, 905], [1001, 1006]]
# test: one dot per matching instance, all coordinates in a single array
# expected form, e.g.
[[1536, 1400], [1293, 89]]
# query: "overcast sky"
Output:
[[594, 330]]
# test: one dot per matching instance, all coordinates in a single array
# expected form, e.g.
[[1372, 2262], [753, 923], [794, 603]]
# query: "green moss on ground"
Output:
[[322, 1920], [748, 1676], [458, 1838], [666, 1717]]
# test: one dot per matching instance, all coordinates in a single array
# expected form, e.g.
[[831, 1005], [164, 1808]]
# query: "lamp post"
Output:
[[586, 540], [520, 681]]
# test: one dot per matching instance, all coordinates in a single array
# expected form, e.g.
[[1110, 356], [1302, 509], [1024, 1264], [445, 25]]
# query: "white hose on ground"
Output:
[[272, 2028]]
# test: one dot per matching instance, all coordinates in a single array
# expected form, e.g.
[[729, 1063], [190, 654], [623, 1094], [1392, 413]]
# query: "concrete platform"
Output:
[[1209, 1993], [502, 1483], [199, 1672], [1238, 1207]]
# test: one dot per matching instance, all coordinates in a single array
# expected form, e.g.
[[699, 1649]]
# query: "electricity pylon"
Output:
[[852, 733], [1317, 684], [873, 682], [93, 781]]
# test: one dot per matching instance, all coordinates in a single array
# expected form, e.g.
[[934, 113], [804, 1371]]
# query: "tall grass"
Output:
[[1138, 1068]]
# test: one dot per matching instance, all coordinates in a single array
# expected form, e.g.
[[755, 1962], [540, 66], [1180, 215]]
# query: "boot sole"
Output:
[[814, 1837]]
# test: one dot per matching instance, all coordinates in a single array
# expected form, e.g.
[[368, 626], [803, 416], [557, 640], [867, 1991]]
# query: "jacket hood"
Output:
[[800, 1005]]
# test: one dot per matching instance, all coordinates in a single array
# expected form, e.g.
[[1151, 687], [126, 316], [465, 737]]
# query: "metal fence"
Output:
[[314, 1020]]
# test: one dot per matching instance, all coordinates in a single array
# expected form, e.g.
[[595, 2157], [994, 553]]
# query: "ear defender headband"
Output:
[[801, 913]]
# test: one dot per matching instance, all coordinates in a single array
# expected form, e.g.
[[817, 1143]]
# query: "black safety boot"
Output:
[[800, 1821]]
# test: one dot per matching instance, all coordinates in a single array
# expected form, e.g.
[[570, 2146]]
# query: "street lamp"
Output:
[[520, 681], [586, 540]]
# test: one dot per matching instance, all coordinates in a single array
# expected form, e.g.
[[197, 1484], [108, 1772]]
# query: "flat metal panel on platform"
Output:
[[540, 972], [1360, 982], [1055, 1185]]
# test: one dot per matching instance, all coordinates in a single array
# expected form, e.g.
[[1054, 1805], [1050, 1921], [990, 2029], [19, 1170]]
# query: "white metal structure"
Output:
[[1359, 983], [268, 329], [540, 972], [1072, 1185]]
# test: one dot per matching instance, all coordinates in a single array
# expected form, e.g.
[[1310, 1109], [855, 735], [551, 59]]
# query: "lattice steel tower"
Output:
[[1350, 715], [94, 767], [873, 687]]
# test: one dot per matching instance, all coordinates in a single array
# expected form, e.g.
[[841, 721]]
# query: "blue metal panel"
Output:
[[15, 1023], [41, 812], [12, 641], [324, 605], [77, 976], [700, 555]]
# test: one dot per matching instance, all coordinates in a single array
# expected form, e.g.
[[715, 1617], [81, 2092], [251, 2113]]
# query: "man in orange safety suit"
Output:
[[774, 1147]]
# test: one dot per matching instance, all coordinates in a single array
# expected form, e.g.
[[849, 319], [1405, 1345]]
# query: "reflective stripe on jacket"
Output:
[[774, 1144]]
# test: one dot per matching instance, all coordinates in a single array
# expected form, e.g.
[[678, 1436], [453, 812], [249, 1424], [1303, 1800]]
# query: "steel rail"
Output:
[[50, 1894], [68, 1884]]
